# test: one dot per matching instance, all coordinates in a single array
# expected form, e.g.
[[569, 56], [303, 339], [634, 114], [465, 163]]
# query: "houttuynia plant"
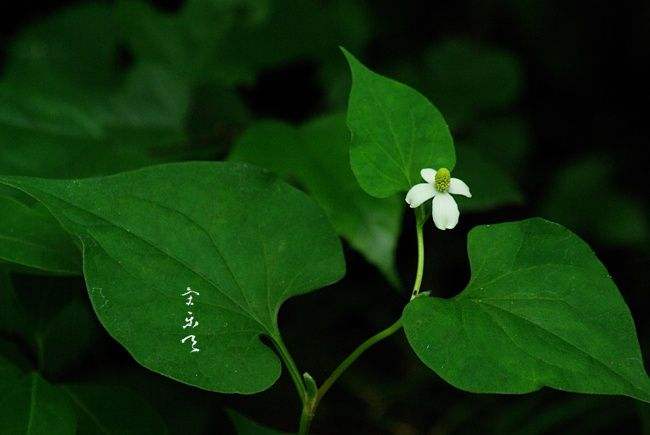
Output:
[[188, 264]]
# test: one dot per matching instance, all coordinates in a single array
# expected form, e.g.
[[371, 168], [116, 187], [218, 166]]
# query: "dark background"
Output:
[[586, 92]]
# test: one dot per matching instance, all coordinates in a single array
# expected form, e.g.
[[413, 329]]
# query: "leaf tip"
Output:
[[352, 60]]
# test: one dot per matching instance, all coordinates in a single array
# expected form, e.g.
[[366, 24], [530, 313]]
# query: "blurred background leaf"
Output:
[[32, 239], [315, 156], [586, 196], [246, 426], [30, 404]]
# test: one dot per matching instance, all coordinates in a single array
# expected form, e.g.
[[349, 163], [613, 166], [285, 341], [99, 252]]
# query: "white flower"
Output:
[[439, 185]]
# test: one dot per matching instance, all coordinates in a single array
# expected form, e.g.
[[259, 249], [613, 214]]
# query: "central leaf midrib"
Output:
[[214, 244], [182, 263], [396, 142]]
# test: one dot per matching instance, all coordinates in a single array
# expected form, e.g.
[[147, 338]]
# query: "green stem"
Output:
[[292, 368], [420, 271], [311, 403], [305, 419], [353, 357]]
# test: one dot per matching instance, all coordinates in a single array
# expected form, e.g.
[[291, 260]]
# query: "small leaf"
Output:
[[540, 310], [241, 238], [31, 405], [396, 132], [246, 426], [316, 157]]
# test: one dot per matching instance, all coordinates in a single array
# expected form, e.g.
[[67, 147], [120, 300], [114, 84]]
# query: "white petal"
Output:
[[458, 187], [429, 175], [420, 193], [444, 211]]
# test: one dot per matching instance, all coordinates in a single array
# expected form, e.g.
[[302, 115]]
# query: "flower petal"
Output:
[[429, 175], [444, 211], [420, 193], [458, 187]]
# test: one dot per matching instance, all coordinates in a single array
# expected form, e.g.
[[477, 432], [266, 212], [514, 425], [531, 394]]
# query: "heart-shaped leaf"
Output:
[[234, 238], [316, 156], [396, 132], [540, 310]]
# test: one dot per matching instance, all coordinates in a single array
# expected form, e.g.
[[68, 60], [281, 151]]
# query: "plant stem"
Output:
[[353, 357], [305, 418], [292, 368], [310, 403], [420, 270]]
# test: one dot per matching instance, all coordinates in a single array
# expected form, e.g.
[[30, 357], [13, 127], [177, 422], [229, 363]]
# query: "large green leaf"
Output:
[[540, 310], [30, 405], [316, 156], [240, 237], [396, 132]]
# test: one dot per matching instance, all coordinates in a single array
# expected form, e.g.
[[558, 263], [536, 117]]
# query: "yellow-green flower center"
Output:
[[443, 177]]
